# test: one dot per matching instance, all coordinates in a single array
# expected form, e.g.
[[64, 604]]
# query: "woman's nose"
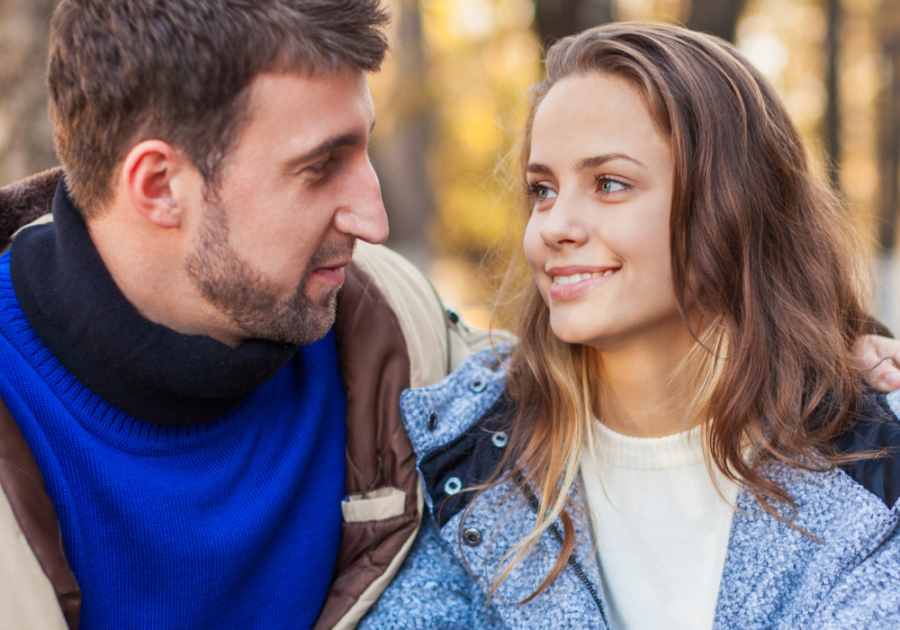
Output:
[[563, 225]]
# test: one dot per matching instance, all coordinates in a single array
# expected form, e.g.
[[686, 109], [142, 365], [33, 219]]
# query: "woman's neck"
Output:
[[642, 393]]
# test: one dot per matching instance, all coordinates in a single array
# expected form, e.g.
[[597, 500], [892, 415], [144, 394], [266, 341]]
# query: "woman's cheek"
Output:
[[536, 255]]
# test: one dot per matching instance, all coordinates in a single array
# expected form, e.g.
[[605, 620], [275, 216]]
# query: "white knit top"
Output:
[[662, 529]]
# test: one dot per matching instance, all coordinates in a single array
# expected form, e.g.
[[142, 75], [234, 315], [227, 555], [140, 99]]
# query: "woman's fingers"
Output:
[[878, 358]]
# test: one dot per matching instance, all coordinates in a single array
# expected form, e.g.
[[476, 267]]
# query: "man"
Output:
[[202, 432], [215, 431]]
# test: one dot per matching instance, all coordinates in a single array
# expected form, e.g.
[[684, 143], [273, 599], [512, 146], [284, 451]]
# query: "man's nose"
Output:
[[362, 214]]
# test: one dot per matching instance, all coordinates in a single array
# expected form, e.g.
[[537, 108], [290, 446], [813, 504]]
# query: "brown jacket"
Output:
[[392, 333]]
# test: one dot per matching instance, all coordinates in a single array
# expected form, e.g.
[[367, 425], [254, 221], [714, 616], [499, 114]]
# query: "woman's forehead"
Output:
[[594, 114]]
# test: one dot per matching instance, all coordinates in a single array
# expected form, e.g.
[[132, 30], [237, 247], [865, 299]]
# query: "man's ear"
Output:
[[147, 175]]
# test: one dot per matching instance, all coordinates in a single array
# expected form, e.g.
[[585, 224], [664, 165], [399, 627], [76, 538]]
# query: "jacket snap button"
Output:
[[477, 386], [452, 486], [432, 421], [500, 439], [472, 537]]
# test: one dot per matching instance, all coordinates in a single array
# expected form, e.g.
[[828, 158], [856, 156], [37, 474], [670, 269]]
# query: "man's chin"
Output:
[[297, 323]]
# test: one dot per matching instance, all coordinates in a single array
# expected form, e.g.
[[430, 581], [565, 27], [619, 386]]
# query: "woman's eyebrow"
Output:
[[538, 169], [598, 160], [583, 165]]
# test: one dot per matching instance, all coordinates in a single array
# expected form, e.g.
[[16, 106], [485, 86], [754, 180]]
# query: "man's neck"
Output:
[[145, 369], [147, 266]]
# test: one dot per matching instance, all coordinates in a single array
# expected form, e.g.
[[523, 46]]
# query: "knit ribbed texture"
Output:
[[232, 523], [661, 527], [637, 453]]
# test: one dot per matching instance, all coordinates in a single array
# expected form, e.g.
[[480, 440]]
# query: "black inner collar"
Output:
[[142, 368]]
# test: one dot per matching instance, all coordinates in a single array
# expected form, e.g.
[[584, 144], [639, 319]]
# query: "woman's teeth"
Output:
[[578, 277]]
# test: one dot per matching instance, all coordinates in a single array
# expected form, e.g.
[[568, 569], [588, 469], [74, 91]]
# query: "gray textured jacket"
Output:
[[774, 577]]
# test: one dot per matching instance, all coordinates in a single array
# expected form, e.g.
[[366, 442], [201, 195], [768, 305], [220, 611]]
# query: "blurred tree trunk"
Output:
[[716, 17], [555, 19], [26, 134], [400, 156], [886, 264], [831, 134], [889, 126]]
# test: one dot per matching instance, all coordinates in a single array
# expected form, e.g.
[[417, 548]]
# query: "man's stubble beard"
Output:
[[249, 298]]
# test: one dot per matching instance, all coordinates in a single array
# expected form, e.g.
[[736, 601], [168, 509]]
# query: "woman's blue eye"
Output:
[[542, 193], [610, 186]]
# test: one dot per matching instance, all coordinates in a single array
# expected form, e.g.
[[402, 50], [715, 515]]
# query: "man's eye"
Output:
[[321, 167]]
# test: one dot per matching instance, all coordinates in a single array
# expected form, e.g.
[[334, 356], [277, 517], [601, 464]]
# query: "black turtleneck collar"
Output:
[[142, 368]]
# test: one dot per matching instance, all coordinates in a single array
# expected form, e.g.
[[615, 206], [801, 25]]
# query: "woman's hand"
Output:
[[878, 358]]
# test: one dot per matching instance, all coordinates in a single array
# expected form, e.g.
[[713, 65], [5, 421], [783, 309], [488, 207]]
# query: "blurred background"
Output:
[[452, 97]]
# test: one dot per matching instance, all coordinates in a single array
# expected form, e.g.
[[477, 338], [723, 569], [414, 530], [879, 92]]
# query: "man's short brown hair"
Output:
[[121, 71]]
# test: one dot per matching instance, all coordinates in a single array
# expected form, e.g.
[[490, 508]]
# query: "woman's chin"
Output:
[[573, 333]]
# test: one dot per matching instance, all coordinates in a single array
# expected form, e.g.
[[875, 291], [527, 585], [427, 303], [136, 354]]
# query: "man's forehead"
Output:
[[325, 94], [301, 112]]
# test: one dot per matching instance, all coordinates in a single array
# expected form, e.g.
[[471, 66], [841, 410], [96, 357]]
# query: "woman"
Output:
[[679, 440]]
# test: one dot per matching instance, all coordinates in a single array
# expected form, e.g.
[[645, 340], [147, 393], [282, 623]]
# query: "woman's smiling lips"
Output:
[[573, 281]]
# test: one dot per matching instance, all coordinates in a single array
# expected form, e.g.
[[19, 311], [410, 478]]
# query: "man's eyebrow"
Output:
[[599, 160], [352, 138]]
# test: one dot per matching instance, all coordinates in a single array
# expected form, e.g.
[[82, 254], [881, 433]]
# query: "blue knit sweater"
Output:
[[229, 523]]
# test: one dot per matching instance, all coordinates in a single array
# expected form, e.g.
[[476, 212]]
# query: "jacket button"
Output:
[[432, 421], [477, 386], [452, 486], [500, 439], [472, 537]]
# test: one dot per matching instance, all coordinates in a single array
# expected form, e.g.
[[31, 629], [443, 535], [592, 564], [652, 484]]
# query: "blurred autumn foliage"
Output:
[[453, 94]]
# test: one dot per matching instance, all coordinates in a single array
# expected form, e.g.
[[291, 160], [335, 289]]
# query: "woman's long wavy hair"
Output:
[[760, 260]]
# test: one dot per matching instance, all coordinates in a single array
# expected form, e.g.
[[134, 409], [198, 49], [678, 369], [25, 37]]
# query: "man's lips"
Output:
[[332, 273], [575, 280]]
